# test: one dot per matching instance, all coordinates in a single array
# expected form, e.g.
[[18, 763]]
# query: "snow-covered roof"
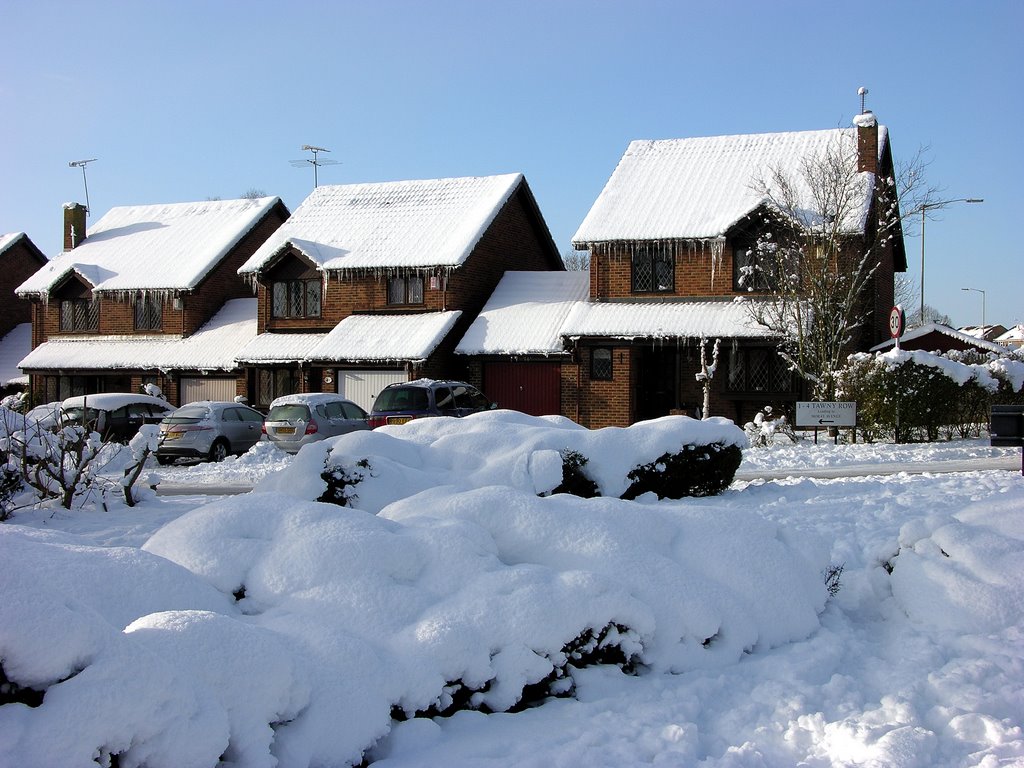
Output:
[[169, 247], [386, 337], [279, 347], [663, 320], [357, 337], [212, 348], [525, 314], [945, 330], [400, 224], [6, 241], [1013, 337], [14, 346], [697, 188]]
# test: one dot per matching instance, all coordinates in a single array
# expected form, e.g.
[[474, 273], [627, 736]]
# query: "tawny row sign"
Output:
[[842, 414]]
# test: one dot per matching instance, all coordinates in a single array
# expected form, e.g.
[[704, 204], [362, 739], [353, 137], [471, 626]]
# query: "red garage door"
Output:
[[533, 388]]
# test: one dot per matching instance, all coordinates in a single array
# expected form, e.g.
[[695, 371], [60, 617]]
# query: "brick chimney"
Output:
[[867, 142], [74, 225]]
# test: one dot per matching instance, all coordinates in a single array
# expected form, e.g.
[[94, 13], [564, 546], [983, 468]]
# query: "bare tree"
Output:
[[707, 372], [813, 272], [576, 261], [253, 193]]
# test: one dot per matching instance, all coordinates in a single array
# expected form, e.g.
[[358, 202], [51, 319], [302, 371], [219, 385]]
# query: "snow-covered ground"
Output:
[[918, 660]]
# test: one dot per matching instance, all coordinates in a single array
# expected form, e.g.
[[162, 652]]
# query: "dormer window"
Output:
[[79, 315], [296, 298], [148, 312], [405, 290], [653, 269]]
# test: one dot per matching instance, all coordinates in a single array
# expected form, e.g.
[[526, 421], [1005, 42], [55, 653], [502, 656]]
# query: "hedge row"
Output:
[[908, 396]]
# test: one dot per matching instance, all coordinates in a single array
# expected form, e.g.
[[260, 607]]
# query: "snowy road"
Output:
[[1009, 463]]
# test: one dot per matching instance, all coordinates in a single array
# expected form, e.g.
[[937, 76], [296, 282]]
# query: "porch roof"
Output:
[[212, 348], [525, 314], [411, 337], [662, 320]]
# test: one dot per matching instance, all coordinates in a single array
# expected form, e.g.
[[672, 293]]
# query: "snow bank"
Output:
[[262, 627], [501, 447], [965, 573]]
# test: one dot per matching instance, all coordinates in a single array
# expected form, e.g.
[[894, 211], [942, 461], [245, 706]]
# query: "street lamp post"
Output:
[[924, 210], [978, 290]]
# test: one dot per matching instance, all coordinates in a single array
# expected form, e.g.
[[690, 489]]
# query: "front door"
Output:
[[657, 390]]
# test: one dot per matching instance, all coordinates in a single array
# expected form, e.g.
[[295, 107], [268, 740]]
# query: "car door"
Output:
[[252, 428], [468, 400], [242, 427], [444, 399], [355, 418]]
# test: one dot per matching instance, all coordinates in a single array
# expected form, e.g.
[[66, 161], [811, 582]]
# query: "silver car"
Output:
[[208, 430], [297, 420]]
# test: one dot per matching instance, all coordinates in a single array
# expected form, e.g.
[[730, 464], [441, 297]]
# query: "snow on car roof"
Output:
[[110, 401]]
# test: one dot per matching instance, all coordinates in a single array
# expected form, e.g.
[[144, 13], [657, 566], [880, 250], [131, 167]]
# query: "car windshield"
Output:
[[74, 415], [402, 399], [289, 412], [187, 415]]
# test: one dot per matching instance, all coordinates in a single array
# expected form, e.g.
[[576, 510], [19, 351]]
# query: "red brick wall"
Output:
[[17, 264], [597, 404], [698, 273]]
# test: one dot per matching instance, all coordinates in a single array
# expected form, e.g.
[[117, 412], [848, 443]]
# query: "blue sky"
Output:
[[187, 100]]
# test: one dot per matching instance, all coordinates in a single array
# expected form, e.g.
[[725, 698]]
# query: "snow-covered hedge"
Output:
[[671, 457], [262, 630], [913, 395]]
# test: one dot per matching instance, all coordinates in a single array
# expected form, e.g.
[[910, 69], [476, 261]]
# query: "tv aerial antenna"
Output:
[[316, 161], [81, 164], [863, 93]]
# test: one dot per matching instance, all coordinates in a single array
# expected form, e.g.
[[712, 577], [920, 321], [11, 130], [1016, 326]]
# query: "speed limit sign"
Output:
[[897, 321]]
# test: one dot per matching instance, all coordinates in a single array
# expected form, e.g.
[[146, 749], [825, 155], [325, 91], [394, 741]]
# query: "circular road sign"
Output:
[[897, 320]]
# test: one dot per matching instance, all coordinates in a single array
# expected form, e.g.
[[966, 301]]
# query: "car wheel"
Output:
[[218, 451], [163, 461]]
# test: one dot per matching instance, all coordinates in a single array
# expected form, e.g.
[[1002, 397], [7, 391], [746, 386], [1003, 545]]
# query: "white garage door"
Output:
[[207, 388], [361, 387]]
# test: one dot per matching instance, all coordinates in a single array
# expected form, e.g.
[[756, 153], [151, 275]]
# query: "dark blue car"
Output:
[[399, 403]]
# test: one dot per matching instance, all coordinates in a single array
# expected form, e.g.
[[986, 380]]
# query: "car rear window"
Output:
[[186, 415], [289, 412], [402, 399]]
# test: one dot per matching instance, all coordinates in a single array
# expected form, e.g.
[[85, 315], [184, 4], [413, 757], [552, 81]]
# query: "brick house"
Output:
[[19, 259], [369, 284], [671, 241], [148, 294]]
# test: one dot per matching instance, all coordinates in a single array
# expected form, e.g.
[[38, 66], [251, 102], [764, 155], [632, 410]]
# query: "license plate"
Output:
[[172, 435], [399, 419], [284, 431]]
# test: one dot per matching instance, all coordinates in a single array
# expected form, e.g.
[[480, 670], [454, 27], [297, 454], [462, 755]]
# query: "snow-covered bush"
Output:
[[673, 456], [696, 470], [769, 428], [913, 395], [63, 463], [10, 484]]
